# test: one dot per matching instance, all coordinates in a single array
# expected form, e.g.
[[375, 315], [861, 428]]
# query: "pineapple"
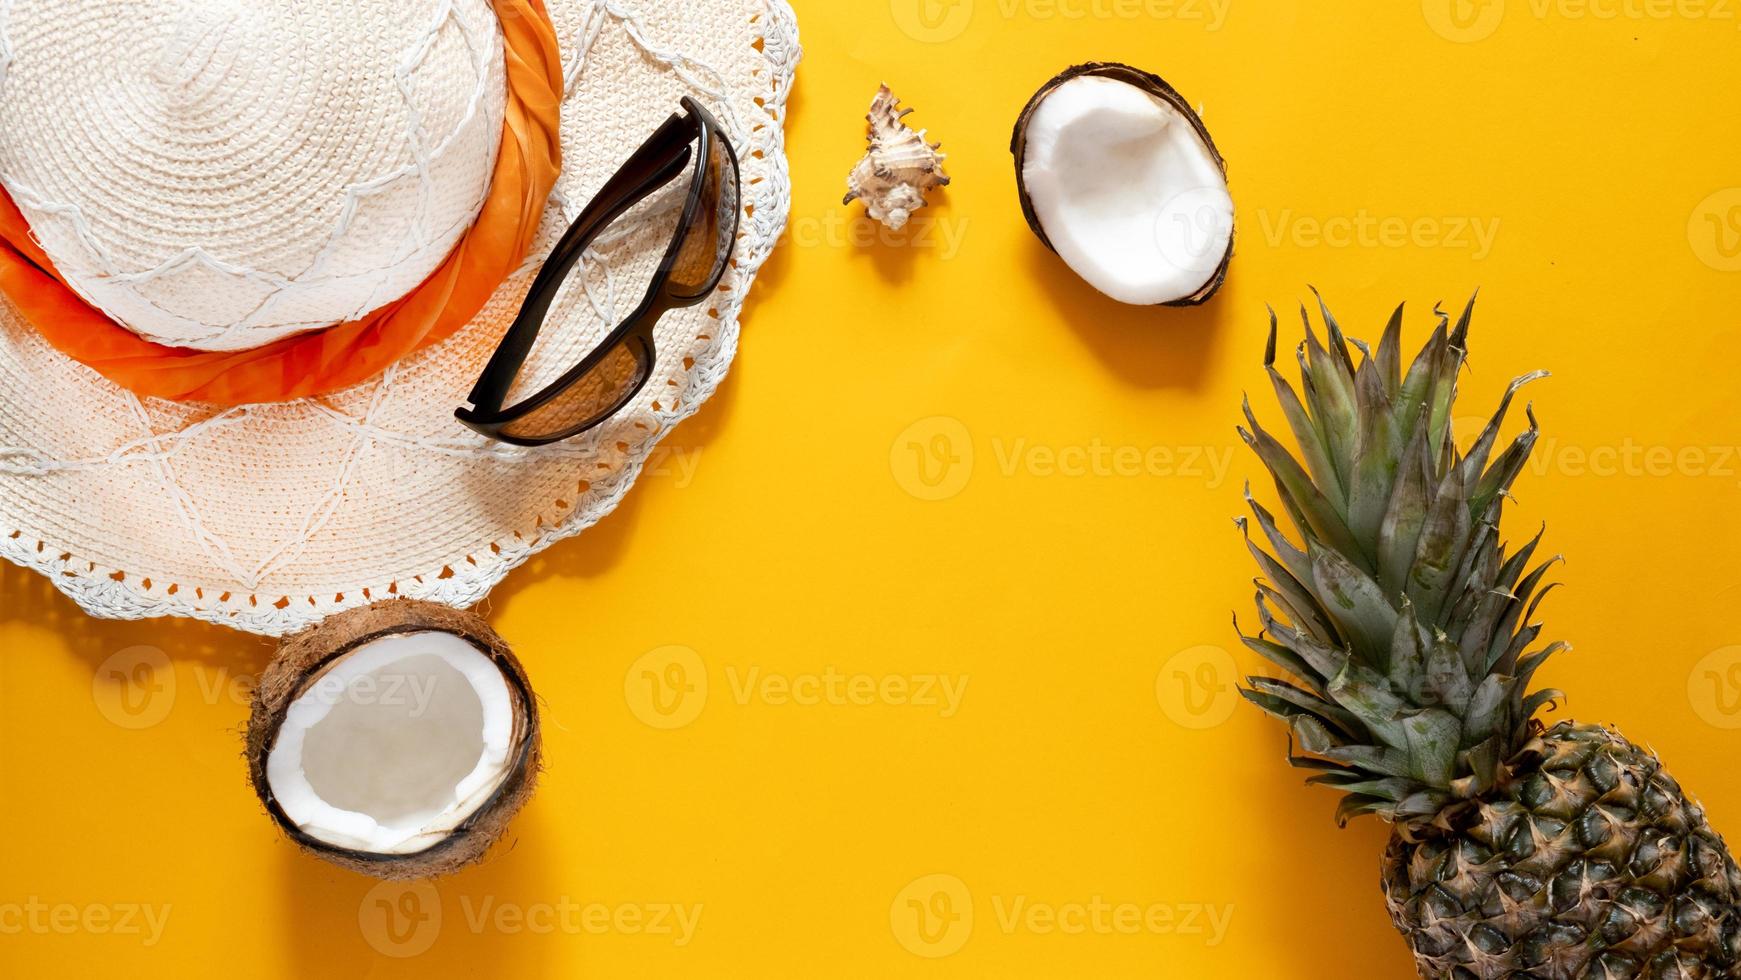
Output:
[[1404, 625]]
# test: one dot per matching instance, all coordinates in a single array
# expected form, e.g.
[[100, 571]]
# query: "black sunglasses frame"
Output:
[[683, 141]]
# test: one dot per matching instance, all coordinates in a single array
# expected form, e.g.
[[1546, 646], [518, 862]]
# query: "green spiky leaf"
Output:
[[1400, 617]]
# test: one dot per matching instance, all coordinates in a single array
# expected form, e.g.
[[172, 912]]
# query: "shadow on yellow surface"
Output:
[[32, 600], [1149, 347]]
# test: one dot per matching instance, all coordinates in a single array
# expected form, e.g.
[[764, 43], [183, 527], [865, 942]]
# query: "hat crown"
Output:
[[219, 174]]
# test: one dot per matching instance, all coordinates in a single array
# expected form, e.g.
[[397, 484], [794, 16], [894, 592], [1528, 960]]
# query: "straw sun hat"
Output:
[[257, 186]]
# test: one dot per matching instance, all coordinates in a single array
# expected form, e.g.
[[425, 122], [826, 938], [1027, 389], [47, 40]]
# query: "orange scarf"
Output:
[[340, 356]]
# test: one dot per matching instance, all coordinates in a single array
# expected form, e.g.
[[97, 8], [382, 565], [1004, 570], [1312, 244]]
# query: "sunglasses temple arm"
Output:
[[625, 188]]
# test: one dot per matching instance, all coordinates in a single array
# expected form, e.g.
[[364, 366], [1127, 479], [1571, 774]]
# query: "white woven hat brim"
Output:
[[268, 518]]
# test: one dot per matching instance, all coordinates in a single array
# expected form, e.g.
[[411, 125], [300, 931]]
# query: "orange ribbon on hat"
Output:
[[339, 356]]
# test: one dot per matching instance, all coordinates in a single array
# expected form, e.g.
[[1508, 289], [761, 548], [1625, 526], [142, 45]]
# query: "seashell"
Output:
[[899, 167]]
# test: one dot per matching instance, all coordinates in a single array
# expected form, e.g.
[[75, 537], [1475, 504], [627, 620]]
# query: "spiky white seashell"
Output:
[[899, 167]]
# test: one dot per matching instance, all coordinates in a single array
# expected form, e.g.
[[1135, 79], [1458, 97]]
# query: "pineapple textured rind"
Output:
[[1594, 864]]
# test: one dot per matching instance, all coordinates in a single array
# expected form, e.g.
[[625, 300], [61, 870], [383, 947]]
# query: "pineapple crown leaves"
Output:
[[1402, 621]]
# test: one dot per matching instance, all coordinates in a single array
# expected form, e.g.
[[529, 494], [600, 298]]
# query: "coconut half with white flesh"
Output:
[[396, 740], [1118, 175]]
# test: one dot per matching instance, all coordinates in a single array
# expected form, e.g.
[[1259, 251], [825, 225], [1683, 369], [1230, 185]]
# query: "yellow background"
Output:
[[781, 539]]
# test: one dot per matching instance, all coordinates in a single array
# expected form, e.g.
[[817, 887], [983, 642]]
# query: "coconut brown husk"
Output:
[[303, 659], [1156, 86]]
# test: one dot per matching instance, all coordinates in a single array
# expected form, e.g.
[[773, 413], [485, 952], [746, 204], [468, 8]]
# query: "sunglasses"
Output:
[[689, 143]]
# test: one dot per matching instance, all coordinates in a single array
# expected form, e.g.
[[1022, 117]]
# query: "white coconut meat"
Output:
[[395, 744], [1128, 192]]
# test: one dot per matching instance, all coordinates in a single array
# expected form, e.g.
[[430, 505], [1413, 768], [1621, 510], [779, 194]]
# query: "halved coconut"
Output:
[[1119, 177], [396, 740]]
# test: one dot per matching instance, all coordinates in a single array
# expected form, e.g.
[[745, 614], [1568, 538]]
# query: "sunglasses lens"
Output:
[[706, 248], [623, 259], [598, 393]]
